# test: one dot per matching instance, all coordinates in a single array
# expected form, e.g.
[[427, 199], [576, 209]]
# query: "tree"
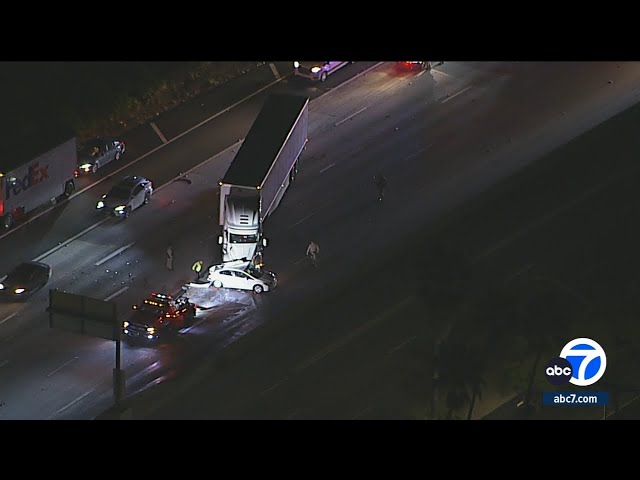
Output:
[[461, 367], [543, 316]]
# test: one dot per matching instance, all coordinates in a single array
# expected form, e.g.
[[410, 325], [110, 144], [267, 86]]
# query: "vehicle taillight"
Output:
[[76, 173]]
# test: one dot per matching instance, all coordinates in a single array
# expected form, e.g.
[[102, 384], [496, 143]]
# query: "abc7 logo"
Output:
[[582, 362]]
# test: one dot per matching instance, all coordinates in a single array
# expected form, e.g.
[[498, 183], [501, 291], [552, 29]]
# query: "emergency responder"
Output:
[[197, 268]]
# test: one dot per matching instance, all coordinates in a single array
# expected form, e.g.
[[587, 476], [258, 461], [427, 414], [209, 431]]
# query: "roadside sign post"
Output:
[[89, 316]]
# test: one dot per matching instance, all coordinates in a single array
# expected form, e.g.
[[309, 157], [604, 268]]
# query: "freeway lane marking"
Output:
[[114, 295], [451, 97], [275, 72], [361, 413], [622, 407], [2, 364], [403, 344], [361, 329], [158, 132], [322, 207], [350, 116], [62, 366], [8, 318], [327, 168], [71, 403], [415, 154], [69, 240], [143, 372], [292, 414], [305, 218], [274, 386], [109, 257], [522, 271]]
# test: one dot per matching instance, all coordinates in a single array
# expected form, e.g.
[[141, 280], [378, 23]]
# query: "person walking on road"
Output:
[[381, 183], [312, 252], [170, 258], [197, 268]]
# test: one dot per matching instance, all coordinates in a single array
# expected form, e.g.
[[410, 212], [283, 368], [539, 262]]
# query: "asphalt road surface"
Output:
[[441, 138]]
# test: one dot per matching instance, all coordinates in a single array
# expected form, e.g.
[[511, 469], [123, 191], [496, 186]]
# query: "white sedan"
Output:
[[241, 277]]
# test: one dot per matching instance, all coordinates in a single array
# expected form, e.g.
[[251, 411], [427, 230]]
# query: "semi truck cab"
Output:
[[241, 233]]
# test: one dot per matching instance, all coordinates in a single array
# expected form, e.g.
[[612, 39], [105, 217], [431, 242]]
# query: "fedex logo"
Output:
[[35, 175]]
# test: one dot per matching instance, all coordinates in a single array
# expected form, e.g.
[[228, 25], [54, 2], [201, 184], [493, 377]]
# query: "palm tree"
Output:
[[460, 367], [543, 317], [476, 363], [443, 283]]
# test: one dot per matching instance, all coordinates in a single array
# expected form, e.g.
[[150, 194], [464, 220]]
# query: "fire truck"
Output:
[[158, 315]]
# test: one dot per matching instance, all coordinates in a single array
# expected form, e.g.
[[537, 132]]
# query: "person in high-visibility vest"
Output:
[[197, 268]]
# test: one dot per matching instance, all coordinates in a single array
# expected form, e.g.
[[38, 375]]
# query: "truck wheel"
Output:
[[127, 212], [96, 167], [7, 221], [217, 284], [258, 289], [118, 155], [323, 77], [69, 188]]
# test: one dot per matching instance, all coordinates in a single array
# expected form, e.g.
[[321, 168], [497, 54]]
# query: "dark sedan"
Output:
[[24, 280], [97, 153]]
